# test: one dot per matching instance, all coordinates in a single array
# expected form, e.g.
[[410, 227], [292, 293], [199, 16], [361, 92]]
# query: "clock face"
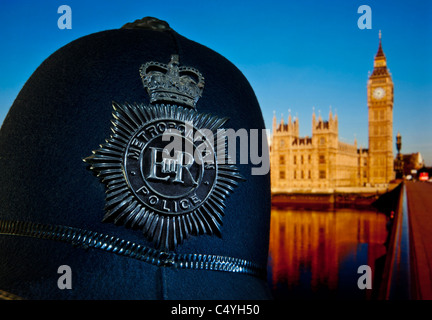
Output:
[[378, 93]]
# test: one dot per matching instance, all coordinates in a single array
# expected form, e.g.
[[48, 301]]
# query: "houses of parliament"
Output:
[[322, 161]]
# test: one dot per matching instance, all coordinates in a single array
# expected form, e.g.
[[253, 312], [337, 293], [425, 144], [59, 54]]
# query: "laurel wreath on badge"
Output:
[[162, 165]]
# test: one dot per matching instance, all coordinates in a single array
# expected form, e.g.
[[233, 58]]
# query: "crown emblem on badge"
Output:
[[168, 190], [172, 83]]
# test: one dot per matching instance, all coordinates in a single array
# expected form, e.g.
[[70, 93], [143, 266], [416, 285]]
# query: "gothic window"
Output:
[[309, 158], [302, 175], [322, 141], [301, 159], [321, 158], [282, 175], [295, 159], [309, 174], [322, 174], [282, 160], [295, 175]]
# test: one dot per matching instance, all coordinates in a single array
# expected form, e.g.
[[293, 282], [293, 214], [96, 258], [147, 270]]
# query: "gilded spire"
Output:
[[380, 61], [380, 52]]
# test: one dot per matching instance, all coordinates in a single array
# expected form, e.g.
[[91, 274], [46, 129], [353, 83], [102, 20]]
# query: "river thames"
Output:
[[315, 254]]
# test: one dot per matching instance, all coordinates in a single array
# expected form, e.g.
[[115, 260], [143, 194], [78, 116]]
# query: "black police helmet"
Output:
[[127, 223]]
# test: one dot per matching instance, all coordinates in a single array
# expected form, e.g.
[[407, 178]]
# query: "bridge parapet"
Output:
[[396, 280]]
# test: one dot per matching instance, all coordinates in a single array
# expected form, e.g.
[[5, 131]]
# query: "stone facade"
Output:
[[322, 161]]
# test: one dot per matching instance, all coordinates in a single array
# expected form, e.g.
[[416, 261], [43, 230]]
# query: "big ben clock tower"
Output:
[[380, 105]]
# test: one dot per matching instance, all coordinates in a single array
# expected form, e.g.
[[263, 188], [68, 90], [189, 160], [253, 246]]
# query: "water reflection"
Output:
[[316, 254]]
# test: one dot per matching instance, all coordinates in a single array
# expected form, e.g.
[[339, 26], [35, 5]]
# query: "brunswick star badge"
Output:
[[161, 165]]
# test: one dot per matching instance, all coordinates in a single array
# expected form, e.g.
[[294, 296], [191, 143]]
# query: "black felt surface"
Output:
[[63, 113]]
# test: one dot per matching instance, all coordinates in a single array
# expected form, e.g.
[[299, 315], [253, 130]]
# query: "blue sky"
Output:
[[296, 54]]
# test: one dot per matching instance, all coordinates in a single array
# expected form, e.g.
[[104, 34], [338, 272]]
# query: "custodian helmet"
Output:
[[131, 221]]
